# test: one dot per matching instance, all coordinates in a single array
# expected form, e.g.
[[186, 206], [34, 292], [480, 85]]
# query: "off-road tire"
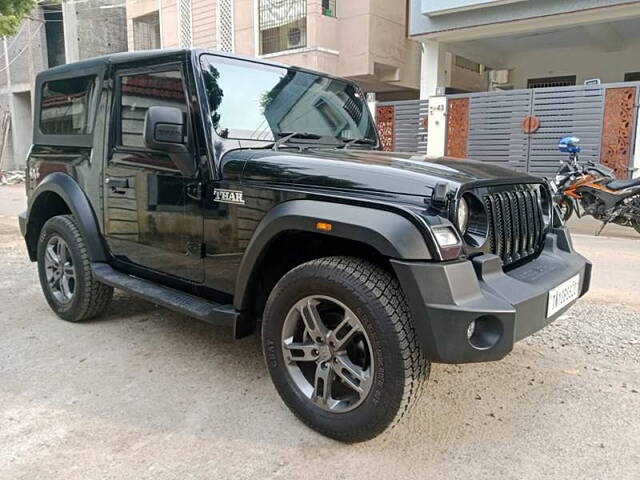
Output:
[[90, 297], [375, 296]]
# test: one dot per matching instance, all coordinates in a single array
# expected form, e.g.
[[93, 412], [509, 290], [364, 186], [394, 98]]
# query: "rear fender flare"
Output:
[[71, 193]]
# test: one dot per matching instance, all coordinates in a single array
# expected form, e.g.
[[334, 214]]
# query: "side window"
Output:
[[141, 91], [65, 106]]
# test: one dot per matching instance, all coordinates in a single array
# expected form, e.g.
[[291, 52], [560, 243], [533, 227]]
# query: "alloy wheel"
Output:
[[60, 272], [328, 353]]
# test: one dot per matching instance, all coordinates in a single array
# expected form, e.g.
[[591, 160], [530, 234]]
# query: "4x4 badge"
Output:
[[228, 196]]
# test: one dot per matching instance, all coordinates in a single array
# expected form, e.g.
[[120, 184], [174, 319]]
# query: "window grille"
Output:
[[185, 38], [225, 25], [283, 25], [467, 64], [566, 81], [329, 8], [146, 32], [632, 77]]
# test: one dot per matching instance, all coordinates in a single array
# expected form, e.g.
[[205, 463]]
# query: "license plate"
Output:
[[563, 295]]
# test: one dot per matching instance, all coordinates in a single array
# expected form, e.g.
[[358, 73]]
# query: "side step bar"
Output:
[[214, 313]]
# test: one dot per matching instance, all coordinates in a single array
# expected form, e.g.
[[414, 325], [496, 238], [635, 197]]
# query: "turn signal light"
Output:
[[326, 227]]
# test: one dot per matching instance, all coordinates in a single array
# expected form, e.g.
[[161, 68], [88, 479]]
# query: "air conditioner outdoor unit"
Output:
[[500, 77], [294, 38]]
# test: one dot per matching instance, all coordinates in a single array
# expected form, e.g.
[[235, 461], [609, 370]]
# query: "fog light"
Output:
[[471, 329], [484, 332]]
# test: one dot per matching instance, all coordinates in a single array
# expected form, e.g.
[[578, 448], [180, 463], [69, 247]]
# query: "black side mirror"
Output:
[[164, 130]]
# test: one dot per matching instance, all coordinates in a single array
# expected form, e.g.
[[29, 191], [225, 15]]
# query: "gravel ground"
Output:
[[145, 393]]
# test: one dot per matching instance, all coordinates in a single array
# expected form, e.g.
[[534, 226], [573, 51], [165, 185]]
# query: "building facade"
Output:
[[55, 33], [364, 40], [478, 45]]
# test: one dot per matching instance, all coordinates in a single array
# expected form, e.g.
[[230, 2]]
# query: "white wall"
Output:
[[584, 62]]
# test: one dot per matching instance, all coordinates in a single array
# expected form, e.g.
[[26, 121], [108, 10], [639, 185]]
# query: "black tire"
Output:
[[376, 298], [566, 208], [89, 298]]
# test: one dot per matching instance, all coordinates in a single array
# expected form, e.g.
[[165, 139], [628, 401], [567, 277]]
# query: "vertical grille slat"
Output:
[[507, 232], [516, 226], [533, 220], [527, 242]]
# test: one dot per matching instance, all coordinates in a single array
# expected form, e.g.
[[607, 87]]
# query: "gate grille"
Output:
[[516, 225]]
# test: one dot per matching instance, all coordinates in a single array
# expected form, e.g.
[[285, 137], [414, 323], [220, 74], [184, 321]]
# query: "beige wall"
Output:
[[203, 19], [204, 23], [366, 41]]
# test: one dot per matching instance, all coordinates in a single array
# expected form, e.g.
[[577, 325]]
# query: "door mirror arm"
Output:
[[164, 131]]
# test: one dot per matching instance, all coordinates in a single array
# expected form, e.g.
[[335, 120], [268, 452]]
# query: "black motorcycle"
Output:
[[595, 188]]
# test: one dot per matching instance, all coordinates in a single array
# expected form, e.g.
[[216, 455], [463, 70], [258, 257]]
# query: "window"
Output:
[[54, 31], [138, 93], [632, 77], [260, 102], [566, 81], [466, 64], [283, 25], [65, 106], [329, 8], [146, 32]]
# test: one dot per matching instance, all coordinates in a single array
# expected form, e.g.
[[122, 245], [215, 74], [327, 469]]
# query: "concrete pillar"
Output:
[[437, 132], [433, 68], [70, 25], [372, 103]]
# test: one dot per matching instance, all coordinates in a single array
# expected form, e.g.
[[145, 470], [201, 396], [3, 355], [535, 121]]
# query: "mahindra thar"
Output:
[[255, 196]]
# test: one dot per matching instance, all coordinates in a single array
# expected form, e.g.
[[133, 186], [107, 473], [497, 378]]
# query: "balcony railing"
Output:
[[283, 25]]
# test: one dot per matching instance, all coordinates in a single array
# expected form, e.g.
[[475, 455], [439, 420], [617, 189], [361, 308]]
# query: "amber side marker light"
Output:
[[327, 227]]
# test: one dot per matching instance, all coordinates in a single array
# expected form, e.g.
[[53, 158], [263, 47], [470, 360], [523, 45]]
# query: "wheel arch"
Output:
[[377, 234], [60, 194]]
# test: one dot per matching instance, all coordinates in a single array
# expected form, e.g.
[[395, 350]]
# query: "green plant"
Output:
[[12, 12]]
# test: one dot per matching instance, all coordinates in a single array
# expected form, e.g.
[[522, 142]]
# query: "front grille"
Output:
[[516, 224]]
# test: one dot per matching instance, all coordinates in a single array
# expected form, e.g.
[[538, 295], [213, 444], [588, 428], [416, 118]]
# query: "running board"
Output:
[[210, 312]]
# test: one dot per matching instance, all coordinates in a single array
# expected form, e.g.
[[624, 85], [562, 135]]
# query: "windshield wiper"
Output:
[[361, 141], [286, 136]]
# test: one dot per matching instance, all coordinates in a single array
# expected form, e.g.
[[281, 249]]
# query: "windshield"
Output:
[[260, 102]]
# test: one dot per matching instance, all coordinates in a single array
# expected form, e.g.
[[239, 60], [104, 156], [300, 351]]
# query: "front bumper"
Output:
[[444, 298]]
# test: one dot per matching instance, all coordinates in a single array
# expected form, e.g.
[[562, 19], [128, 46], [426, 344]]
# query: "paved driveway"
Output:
[[145, 393]]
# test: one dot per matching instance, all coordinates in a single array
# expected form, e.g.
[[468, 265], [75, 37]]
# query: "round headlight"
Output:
[[463, 215]]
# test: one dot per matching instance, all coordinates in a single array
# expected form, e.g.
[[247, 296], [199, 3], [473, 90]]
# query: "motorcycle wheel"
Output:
[[566, 209]]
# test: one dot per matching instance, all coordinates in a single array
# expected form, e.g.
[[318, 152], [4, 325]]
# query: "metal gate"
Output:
[[403, 125], [520, 129]]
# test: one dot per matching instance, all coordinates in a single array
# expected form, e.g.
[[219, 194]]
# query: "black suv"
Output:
[[246, 193]]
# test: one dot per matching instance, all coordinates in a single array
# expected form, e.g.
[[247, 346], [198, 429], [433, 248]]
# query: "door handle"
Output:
[[117, 183]]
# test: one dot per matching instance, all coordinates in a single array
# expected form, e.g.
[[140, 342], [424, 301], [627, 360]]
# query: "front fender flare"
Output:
[[71, 193], [391, 234]]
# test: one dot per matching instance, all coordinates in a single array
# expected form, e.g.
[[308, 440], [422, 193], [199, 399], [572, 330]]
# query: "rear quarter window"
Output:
[[65, 106]]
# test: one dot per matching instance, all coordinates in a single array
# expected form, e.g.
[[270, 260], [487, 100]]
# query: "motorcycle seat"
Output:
[[622, 184]]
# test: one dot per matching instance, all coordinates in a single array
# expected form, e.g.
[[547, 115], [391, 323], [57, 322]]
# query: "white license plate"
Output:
[[563, 295]]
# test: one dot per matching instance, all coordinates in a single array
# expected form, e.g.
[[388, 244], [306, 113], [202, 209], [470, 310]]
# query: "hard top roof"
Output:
[[144, 55]]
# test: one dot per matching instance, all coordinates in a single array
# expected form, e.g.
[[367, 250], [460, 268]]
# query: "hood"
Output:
[[372, 171]]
